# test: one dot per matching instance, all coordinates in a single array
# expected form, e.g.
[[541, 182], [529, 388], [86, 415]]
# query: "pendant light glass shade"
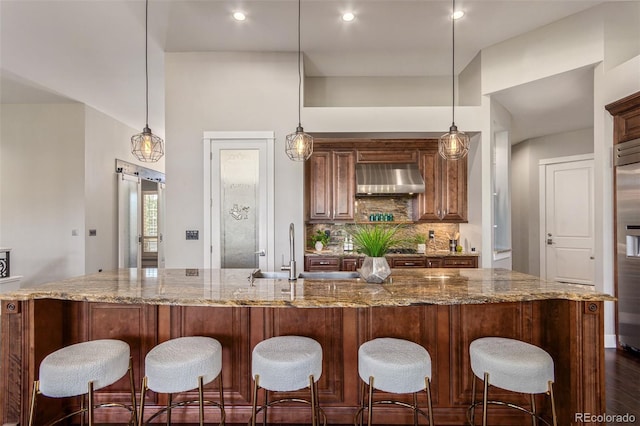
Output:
[[454, 144], [146, 146], [299, 145]]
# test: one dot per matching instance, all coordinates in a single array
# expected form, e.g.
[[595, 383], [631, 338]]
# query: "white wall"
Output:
[[377, 91], [228, 92], [106, 139], [57, 178], [42, 190], [564, 45], [469, 82], [525, 192]]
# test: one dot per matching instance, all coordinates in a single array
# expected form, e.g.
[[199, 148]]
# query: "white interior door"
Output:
[[567, 221], [129, 221], [239, 213], [161, 221]]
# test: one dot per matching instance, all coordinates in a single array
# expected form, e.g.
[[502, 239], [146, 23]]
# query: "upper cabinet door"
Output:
[[330, 183], [319, 181], [344, 185], [427, 205], [445, 196], [454, 190]]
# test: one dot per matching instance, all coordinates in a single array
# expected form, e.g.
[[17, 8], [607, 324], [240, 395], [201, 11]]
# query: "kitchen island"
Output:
[[441, 309]]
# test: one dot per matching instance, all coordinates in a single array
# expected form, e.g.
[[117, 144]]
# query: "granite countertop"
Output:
[[230, 287], [438, 253]]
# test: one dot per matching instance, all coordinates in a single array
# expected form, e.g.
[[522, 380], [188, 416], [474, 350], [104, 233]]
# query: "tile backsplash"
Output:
[[401, 208]]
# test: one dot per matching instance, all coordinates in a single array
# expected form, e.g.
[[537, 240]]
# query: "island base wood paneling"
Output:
[[571, 331]]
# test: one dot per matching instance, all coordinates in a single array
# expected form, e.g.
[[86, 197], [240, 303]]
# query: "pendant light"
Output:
[[453, 144], [146, 146], [299, 145]]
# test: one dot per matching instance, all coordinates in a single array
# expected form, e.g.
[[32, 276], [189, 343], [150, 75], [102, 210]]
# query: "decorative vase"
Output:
[[375, 269], [422, 248], [319, 246]]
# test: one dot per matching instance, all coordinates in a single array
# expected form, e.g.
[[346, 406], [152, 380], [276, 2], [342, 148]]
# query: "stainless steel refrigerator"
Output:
[[627, 161]]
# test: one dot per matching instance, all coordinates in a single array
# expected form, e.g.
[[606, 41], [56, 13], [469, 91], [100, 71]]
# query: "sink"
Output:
[[316, 275], [329, 275], [272, 275]]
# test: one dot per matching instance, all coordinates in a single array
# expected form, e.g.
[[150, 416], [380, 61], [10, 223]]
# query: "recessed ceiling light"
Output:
[[457, 14], [348, 17], [239, 16]]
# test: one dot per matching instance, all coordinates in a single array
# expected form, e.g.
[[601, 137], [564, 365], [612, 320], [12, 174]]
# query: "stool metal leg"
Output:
[[370, 408], [134, 409], [534, 419], [473, 399], [312, 387], [32, 409], [266, 407], [429, 401], [201, 399], [485, 399], [143, 392], [90, 407], [256, 380], [553, 405], [223, 414], [169, 404]]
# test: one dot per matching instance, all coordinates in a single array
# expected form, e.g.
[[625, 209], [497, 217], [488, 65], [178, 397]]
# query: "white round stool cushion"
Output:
[[175, 365], [397, 366], [512, 364], [68, 371], [284, 363]]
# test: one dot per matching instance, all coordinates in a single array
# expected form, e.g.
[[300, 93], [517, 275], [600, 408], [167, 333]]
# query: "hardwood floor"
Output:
[[622, 376]]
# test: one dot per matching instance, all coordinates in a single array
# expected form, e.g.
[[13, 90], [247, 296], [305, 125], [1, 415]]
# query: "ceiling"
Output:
[[92, 51]]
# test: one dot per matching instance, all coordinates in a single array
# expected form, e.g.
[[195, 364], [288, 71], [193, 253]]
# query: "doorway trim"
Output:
[[210, 137], [542, 194]]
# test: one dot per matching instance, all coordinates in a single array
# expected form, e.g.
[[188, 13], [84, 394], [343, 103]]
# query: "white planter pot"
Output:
[[375, 269], [422, 248], [319, 246]]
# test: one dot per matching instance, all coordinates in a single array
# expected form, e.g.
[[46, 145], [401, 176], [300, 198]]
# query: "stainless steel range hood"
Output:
[[381, 179]]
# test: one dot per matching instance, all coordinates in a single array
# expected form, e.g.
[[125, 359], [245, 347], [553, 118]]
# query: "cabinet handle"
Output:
[[324, 263], [409, 264]]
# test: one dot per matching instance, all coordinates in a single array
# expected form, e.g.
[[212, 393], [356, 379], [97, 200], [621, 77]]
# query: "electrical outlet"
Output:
[[93, 232], [191, 235]]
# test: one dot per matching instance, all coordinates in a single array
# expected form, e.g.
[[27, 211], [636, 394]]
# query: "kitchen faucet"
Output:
[[292, 257]]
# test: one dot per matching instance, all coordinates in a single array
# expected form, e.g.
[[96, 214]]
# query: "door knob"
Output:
[[260, 253]]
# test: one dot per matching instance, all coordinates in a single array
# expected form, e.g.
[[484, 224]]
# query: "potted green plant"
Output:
[[421, 242], [319, 240], [374, 241]]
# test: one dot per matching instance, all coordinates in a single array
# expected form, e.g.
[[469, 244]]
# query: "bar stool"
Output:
[[512, 365], [179, 365], [81, 369], [396, 366], [286, 364]]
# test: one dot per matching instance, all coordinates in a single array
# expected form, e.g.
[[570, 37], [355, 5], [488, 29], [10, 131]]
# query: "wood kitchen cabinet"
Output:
[[408, 262], [445, 196], [330, 186], [321, 263]]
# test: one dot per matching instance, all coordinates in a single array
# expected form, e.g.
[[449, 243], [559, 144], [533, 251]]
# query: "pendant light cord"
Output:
[[299, 71], [453, 61], [146, 60]]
